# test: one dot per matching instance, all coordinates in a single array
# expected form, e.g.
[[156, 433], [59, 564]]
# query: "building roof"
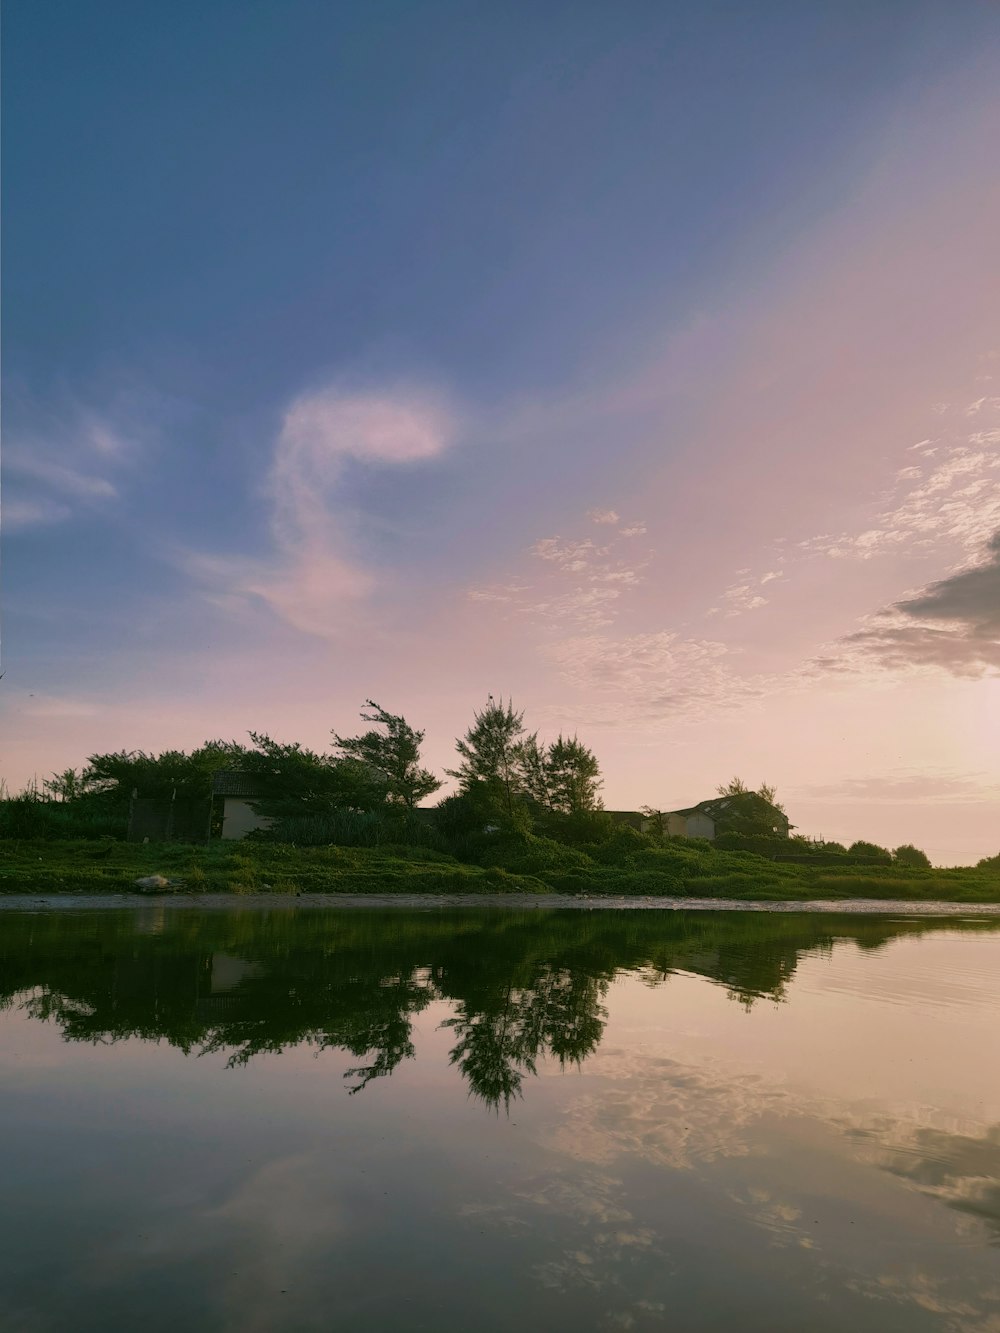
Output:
[[229, 782], [716, 806]]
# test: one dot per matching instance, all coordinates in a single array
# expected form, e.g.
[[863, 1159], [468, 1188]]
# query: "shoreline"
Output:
[[214, 902]]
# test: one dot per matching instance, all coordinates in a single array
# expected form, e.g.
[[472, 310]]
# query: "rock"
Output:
[[156, 884]]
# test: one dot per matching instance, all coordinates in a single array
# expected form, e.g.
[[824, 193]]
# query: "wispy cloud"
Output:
[[650, 677], [906, 787], [602, 516], [952, 497], [23, 513], [312, 570], [581, 583], [54, 471]]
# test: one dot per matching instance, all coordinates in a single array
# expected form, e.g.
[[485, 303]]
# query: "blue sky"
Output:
[[555, 237]]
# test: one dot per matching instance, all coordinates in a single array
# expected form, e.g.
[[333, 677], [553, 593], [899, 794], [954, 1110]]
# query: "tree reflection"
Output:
[[522, 987]]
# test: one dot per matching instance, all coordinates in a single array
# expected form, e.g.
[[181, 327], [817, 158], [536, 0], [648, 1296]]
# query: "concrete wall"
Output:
[[700, 826], [691, 826], [239, 818]]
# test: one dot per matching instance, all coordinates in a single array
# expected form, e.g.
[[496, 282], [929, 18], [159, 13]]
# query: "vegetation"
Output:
[[507, 861], [526, 817], [391, 750]]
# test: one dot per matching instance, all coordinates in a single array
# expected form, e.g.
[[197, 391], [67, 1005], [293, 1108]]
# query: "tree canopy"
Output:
[[391, 749]]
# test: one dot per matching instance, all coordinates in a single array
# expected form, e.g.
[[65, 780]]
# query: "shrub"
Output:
[[521, 853], [869, 853], [625, 847], [388, 826], [908, 855], [27, 816]]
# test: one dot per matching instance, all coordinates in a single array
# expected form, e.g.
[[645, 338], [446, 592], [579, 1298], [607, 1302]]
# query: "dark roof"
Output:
[[634, 818], [715, 807], [228, 782]]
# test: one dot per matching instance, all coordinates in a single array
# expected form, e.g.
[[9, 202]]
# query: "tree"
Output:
[[173, 773], [737, 787], [532, 771], [69, 785], [908, 855], [490, 752], [573, 777], [295, 780], [393, 753]]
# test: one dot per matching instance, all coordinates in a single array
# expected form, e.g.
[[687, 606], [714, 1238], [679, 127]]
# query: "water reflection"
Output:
[[780, 1122], [520, 986]]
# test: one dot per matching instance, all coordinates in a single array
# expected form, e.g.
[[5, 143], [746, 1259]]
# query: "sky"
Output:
[[640, 362]]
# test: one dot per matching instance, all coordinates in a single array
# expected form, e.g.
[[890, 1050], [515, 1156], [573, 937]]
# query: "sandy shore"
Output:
[[333, 902]]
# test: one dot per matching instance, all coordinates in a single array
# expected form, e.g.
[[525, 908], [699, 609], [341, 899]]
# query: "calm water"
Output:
[[497, 1120]]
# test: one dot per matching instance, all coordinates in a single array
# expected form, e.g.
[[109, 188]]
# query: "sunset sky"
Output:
[[639, 360]]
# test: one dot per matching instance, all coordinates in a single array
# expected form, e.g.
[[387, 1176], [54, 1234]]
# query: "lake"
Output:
[[496, 1119]]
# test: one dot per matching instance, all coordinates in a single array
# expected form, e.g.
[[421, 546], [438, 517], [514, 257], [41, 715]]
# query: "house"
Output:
[[746, 812], [235, 792]]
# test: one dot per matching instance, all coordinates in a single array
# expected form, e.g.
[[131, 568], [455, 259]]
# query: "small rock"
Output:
[[156, 884]]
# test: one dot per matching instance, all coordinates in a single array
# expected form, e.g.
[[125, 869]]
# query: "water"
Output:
[[496, 1120]]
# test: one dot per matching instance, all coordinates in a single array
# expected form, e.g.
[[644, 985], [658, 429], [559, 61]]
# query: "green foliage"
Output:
[[522, 853], [532, 771], [188, 776], [28, 816], [583, 826], [762, 844], [391, 750], [628, 864], [384, 826], [737, 787], [479, 806], [748, 812], [69, 785], [868, 853], [624, 848], [296, 781], [491, 752], [908, 855], [573, 777]]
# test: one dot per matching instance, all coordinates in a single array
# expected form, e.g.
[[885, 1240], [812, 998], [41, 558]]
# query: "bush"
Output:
[[908, 855], [27, 816], [625, 848], [385, 827], [521, 853], [868, 853], [762, 844], [585, 826], [475, 810]]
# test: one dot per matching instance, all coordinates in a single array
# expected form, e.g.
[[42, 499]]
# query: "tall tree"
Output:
[[532, 773], [392, 750], [574, 777], [490, 752]]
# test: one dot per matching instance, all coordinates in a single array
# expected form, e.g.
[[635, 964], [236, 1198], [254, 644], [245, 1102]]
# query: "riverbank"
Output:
[[677, 872], [440, 902]]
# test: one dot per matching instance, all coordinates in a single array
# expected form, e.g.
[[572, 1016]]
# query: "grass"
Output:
[[527, 865]]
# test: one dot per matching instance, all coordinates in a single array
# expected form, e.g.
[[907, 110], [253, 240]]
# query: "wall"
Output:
[[239, 818]]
